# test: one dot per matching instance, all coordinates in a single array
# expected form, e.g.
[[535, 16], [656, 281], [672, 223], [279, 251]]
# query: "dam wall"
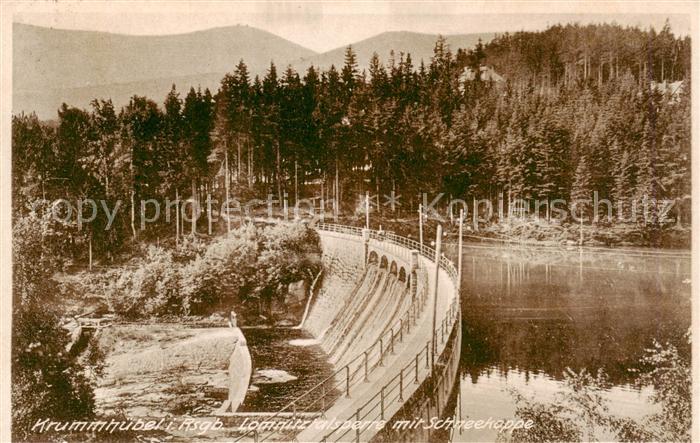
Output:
[[390, 328], [418, 373], [362, 295], [343, 264], [367, 313]]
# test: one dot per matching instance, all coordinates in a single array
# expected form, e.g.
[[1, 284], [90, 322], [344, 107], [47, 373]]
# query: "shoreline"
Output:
[[672, 238], [472, 240]]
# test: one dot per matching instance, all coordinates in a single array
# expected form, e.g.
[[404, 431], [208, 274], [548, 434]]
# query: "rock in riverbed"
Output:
[[271, 376]]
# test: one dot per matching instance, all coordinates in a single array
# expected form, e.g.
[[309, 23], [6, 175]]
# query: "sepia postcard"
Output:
[[348, 221]]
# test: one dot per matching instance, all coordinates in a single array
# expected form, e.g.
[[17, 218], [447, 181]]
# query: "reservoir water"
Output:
[[529, 313]]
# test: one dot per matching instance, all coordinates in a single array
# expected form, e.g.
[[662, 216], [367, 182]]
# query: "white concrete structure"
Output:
[[373, 385]]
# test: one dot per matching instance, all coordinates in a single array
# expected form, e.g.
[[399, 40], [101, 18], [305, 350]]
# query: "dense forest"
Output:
[[580, 109]]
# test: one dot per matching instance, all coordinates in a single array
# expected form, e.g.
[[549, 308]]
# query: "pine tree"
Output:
[[349, 74], [624, 184], [271, 126], [581, 191], [646, 191], [309, 137], [198, 121], [33, 160], [172, 149]]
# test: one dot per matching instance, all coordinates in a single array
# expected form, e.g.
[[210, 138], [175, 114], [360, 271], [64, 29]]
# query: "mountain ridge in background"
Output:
[[53, 66], [69, 59], [419, 45]]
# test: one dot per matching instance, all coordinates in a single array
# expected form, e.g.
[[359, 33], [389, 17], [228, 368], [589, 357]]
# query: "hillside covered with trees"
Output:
[[582, 109]]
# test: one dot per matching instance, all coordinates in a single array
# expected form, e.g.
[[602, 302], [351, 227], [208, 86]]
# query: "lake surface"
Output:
[[529, 313]]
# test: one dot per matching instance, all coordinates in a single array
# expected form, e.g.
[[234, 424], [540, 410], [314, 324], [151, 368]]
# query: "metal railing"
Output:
[[358, 370], [441, 382], [395, 390], [375, 408], [390, 237]]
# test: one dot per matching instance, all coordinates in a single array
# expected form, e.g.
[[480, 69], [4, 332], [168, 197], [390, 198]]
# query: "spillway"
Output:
[[372, 307], [355, 303]]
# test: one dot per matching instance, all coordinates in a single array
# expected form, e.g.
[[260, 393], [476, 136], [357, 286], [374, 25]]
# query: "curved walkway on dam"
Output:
[[374, 317]]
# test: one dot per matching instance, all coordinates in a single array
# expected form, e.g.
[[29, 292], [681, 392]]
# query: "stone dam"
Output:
[[387, 314]]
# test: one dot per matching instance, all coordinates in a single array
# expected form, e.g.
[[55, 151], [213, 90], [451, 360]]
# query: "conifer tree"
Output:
[[581, 190]]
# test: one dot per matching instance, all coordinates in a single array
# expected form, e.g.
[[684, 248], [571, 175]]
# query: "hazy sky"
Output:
[[324, 26]]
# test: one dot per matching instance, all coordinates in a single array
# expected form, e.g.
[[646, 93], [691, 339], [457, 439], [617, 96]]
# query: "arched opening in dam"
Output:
[[402, 275], [373, 258], [393, 269]]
